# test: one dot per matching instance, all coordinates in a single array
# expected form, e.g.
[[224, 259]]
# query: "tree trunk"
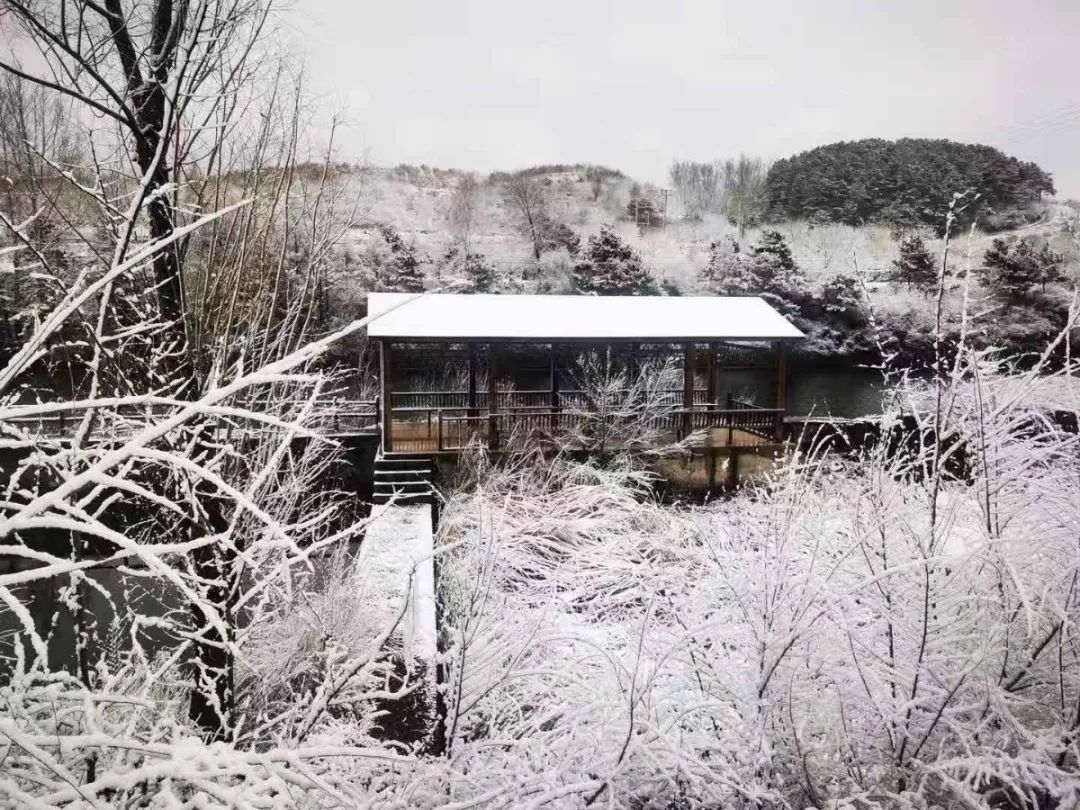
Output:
[[211, 705], [212, 696]]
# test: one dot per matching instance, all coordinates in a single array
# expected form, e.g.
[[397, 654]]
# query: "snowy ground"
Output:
[[396, 561]]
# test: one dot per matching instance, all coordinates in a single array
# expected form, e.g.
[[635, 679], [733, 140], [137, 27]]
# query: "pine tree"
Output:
[[772, 243], [611, 267], [768, 271], [557, 235], [841, 295], [1016, 267], [729, 271], [905, 183], [916, 264], [399, 270], [777, 272], [468, 272], [643, 212], [480, 274], [1050, 266]]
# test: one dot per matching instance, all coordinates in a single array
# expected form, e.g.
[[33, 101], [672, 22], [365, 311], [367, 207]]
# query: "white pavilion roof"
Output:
[[552, 318]]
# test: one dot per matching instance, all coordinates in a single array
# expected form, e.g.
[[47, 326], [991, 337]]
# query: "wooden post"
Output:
[[711, 388], [781, 376], [493, 398], [471, 384], [553, 382], [781, 387], [387, 406], [438, 430], [689, 367], [689, 371]]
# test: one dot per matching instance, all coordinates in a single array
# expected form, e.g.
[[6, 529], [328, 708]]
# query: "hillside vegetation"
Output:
[[579, 229], [905, 183]]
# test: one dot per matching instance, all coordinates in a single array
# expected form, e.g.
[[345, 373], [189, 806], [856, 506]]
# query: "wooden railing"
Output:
[[762, 423], [498, 429], [352, 417], [442, 430], [342, 417], [511, 400], [736, 404]]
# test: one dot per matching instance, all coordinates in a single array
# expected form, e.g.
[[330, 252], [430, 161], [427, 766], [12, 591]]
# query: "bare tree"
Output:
[[123, 476], [895, 625], [595, 176], [697, 185], [175, 83], [528, 198], [38, 142], [743, 199], [463, 211], [623, 406], [164, 74]]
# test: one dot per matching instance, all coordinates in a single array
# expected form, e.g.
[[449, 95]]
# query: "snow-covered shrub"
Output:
[[891, 629], [609, 266]]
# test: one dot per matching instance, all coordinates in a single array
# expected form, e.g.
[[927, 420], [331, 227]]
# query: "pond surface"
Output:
[[846, 392], [817, 390]]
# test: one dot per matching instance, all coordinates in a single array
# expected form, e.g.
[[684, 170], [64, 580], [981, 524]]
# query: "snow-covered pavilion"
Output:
[[484, 335]]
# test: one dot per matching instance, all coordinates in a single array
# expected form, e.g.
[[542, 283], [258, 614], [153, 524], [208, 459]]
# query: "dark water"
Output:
[[836, 391], [821, 391]]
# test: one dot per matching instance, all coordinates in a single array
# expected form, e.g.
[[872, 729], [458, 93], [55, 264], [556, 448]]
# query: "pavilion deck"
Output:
[[490, 342], [441, 422]]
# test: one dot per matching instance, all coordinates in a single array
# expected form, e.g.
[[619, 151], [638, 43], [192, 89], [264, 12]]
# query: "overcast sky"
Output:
[[497, 84]]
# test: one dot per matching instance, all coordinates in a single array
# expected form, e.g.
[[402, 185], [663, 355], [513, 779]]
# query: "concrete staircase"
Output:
[[404, 475]]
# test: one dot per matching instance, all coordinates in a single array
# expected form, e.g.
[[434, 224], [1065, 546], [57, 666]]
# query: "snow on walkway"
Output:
[[396, 558]]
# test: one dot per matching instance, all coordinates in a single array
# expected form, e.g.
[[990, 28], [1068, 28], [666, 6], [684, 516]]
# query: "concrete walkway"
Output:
[[396, 555]]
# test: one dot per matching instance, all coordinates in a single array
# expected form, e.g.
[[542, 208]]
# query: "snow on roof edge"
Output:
[[462, 317]]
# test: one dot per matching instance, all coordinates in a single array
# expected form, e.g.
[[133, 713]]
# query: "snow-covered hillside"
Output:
[[418, 203]]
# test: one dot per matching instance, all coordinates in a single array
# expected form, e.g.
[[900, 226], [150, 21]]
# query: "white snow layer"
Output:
[[575, 317], [396, 557]]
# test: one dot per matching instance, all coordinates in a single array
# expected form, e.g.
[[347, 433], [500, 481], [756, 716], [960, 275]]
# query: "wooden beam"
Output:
[[689, 368], [385, 360], [553, 374], [493, 397], [711, 386], [471, 382], [781, 376], [781, 388]]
